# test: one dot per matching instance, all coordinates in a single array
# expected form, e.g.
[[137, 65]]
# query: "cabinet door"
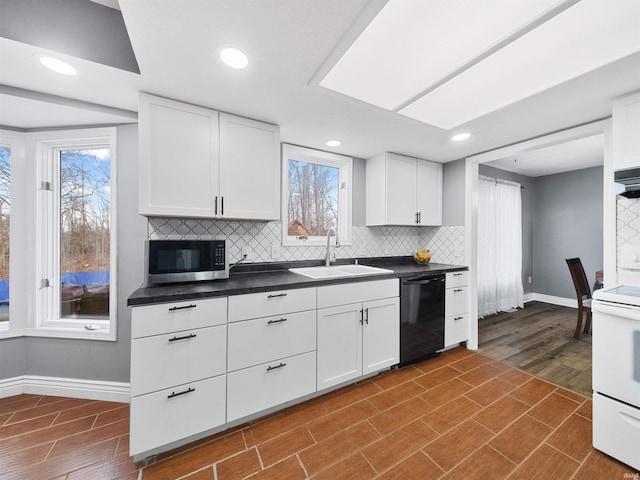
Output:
[[429, 192], [249, 169], [401, 190], [339, 344], [380, 335], [178, 166], [626, 132]]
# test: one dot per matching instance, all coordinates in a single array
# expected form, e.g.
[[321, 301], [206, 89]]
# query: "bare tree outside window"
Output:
[[313, 198], [85, 225], [5, 216]]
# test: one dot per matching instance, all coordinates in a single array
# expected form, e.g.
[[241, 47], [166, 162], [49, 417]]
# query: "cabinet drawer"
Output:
[[456, 301], [176, 316], [456, 329], [257, 388], [616, 429], [252, 342], [168, 415], [266, 304], [457, 279], [163, 360], [347, 293]]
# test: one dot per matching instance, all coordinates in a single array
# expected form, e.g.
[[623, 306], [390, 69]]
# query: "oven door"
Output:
[[616, 351]]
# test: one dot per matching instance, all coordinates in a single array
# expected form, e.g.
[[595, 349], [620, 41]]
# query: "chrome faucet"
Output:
[[327, 261]]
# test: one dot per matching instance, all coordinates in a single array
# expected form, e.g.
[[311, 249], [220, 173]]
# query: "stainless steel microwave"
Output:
[[174, 261]]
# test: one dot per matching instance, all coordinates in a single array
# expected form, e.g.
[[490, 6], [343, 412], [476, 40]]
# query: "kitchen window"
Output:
[[75, 237], [5, 232], [317, 191]]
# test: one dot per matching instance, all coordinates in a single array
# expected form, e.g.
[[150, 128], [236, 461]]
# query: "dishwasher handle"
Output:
[[422, 280]]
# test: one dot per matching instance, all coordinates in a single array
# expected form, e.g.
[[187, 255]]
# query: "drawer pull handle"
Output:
[[366, 315], [271, 322], [458, 290], [269, 368], [458, 318], [277, 295], [186, 337], [457, 274], [174, 394], [173, 309]]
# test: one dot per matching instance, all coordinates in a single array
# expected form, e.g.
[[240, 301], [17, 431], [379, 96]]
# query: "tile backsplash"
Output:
[[446, 243], [627, 223]]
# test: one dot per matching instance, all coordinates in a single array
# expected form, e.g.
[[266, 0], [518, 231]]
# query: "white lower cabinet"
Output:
[[198, 365], [178, 371], [169, 415], [456, 323], [257, 388], [358, 338], [272, 358]]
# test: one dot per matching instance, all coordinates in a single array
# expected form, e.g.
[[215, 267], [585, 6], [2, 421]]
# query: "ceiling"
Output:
[[292, 45], [564, 157]]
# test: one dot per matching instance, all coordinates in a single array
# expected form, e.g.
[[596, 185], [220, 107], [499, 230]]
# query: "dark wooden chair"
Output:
[[583, 292]]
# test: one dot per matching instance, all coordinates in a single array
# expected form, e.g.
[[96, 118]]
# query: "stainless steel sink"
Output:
[[338, 271]]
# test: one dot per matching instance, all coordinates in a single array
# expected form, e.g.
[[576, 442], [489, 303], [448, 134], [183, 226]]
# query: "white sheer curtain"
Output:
[[499, 246]]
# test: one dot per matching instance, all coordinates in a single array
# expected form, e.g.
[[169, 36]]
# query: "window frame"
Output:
[[15, 147], [46, 241], [345, 194]]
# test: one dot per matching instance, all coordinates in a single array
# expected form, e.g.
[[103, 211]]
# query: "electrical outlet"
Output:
[[246, 253], [362, 249], [275, 252], [529, 279]]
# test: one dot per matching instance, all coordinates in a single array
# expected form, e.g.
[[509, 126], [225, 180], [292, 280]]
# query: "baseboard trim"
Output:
[[65, 387], [562, 301]]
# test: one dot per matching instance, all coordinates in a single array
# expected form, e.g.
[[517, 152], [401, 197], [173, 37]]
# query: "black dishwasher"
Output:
[[421, 317]]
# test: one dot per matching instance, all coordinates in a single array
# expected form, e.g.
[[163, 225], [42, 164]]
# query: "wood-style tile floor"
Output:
[[461, 415]]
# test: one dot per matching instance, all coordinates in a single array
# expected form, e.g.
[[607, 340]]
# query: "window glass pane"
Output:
[[5, 213], [313, 198], [85, 217]]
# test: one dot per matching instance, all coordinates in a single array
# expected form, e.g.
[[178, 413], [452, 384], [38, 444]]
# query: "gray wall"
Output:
[[359, 194], [568, 223], [453, 192], [95, 360], [529, 195]]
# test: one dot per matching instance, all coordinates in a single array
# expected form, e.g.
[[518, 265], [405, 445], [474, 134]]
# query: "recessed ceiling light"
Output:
[[57, 65], [234, 58], [333, 143], [461, 136]]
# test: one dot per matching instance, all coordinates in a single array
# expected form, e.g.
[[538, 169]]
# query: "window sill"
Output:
[[60, 332]]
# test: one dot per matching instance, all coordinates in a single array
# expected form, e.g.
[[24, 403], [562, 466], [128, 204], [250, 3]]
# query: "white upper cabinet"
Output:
[[196, 162], [178, 165], [249, 168], [403, 191], [626, 132]]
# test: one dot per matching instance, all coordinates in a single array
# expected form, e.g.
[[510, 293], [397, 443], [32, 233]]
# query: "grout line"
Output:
[[306, 474]]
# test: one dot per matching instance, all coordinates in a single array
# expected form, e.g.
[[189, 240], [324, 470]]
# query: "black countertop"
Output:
[[261, 277]]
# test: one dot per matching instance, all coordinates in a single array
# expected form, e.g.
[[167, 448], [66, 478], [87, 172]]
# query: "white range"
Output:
[[616, 373]]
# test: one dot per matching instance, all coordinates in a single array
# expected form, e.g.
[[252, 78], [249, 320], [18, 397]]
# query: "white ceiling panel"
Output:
[[588, 35], [573, 155], [411, 45]]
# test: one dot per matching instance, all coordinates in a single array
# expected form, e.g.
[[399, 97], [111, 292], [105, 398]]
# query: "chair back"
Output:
[[579, 278]]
